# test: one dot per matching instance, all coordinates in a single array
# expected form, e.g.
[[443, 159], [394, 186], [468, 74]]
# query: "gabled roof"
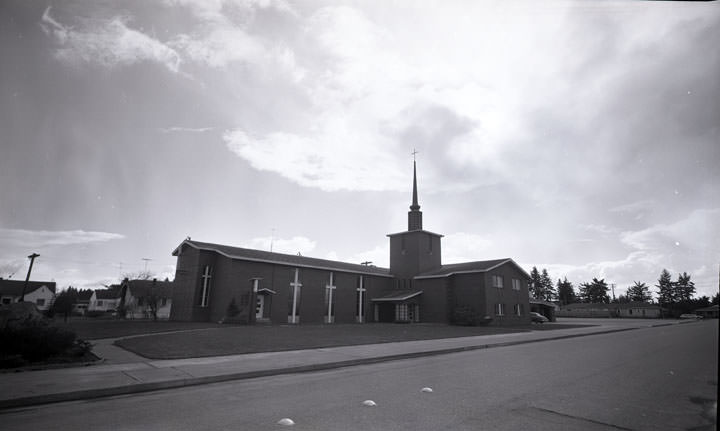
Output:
[[14, 287], [143, 288], [106, 294], [283, 259], [398, 296], [84, 296], [469, 268]]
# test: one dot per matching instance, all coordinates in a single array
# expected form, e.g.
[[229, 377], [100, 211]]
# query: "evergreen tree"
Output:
[[684, 288], [595, 292], [666, 289], [639, 292], [64, 302], [565, 292], [548, 290], [536, 284]]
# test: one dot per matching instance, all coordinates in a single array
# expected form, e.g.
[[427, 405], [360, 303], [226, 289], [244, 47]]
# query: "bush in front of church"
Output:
[[464, 315]]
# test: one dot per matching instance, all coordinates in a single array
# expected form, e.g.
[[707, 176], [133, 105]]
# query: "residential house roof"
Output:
[[284, 259], [106, 294], [144, 288], [14, 288], [710, 308], [84, 296]]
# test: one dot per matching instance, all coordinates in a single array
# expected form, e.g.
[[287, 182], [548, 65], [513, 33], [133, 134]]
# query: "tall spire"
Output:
[[414, 215]]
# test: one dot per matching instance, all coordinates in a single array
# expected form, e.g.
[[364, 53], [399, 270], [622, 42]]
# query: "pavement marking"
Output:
[[286, 422]]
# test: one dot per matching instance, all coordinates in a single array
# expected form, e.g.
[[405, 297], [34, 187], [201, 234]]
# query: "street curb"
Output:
[[195, 381]]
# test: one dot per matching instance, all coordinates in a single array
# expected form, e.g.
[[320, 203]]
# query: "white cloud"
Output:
[[465, 247], [108, 42], [331, 160], [699, 229], [294, 245], [43, 238], [378, 256], [186, 129], [638, 206]]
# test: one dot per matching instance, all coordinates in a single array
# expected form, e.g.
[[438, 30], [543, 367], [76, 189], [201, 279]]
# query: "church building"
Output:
[[215, 282]]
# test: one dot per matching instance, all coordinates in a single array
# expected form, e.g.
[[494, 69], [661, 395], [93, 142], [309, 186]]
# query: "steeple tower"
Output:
[[414, 215], [416, 250]]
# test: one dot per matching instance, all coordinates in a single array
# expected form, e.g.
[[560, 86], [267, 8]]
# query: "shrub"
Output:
[[34, 340], [465, 315]]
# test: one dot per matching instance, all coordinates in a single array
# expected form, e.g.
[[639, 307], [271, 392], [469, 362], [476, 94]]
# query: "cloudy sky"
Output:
[[582, 137]]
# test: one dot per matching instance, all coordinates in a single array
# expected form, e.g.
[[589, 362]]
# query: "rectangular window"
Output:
[[6, 301], [430, 238], [100, 303], [499, 309], [519, 309], [40, 302], [516, 284], [401, 312], [163, 302], [497, 281]]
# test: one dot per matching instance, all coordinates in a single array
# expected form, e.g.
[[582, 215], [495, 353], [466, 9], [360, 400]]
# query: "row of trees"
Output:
[[677, 294]]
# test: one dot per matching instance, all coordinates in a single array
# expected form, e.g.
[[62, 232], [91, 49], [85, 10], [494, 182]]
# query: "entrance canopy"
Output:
[[398, 296]]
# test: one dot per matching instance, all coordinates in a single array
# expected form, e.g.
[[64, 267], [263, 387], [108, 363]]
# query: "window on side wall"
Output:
[[40, 302], [499, 309], [516, 284], [497, 281], [519, 310]]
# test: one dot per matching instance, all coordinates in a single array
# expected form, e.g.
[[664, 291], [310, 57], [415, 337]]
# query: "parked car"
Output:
[[690, 316], [537, 318]]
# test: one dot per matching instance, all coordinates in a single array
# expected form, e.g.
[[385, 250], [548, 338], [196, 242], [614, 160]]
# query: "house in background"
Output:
[[708, 312], [138, 297], [104, 299], [82, 302], [638, 310], [40, 293]]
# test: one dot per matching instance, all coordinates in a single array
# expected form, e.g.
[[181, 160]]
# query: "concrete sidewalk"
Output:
[[123, 372]]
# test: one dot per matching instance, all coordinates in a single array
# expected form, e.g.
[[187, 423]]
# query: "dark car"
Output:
[[537, 318]]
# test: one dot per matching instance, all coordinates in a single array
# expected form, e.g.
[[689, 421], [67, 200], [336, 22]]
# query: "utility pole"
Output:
[[27, 279], [272, 238], [612, 285]]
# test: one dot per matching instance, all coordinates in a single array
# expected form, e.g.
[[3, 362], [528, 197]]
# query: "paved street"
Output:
[[652, 378]]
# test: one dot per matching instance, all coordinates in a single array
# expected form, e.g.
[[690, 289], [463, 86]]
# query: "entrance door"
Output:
[[259, 307]]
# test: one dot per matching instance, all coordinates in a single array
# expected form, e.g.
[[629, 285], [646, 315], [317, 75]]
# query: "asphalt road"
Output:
[[661, 378]]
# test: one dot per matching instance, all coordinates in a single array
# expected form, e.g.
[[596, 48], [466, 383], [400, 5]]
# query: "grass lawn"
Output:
[[217, 340], [95, 328]]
